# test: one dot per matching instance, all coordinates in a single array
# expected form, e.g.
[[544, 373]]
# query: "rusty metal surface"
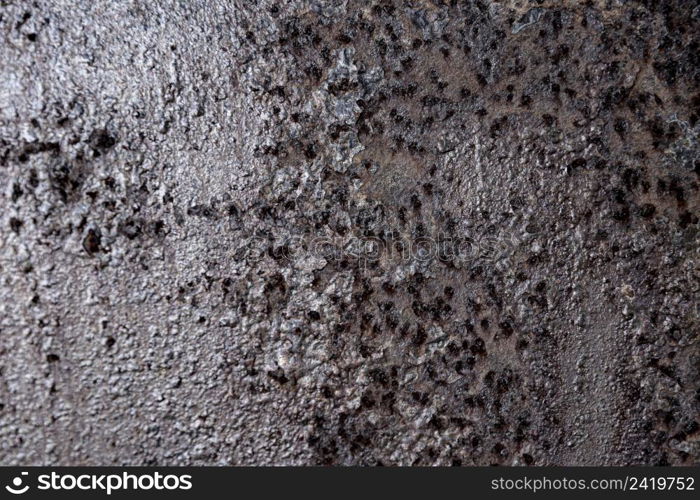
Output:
[[337, 232]]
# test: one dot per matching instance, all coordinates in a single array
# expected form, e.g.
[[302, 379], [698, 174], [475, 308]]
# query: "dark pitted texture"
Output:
[[349, 232]]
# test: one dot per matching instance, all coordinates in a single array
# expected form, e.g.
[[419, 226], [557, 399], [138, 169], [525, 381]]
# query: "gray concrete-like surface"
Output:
[[339, 232]]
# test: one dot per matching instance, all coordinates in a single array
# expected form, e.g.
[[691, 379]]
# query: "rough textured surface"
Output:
[[337, 232]]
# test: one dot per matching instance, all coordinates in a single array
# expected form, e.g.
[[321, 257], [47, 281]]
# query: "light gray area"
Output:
[[168, 168]]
